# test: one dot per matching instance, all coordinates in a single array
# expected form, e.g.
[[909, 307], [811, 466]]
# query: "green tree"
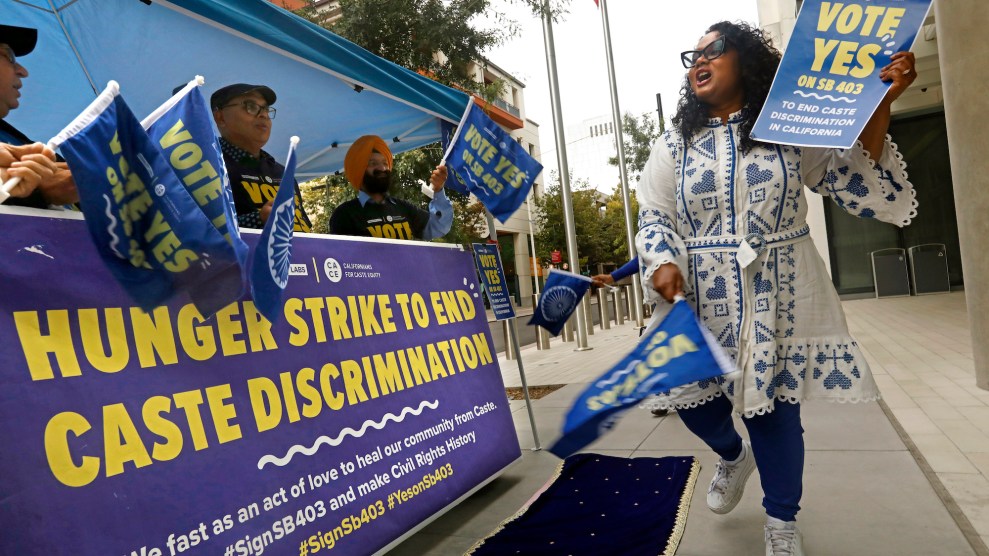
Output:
[[440, 39], [639, 135], [592, 244], [614, 225], [321, 195], [411, 33]]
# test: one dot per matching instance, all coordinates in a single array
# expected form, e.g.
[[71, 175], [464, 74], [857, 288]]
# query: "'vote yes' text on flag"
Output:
[[679, 351], [182, 128], [489, 163], [149, 230]]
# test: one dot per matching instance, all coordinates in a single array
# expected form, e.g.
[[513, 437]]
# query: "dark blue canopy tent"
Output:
[[330, 91]]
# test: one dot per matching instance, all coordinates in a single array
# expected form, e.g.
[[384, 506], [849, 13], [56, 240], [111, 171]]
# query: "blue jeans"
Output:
[[777, 443]]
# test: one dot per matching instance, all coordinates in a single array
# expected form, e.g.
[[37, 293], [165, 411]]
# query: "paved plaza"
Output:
[[905, 476]]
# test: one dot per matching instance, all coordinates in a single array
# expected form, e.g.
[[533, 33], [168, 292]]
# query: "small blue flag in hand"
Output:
[[679, 351], [561, 295], [182, 128], [146, 226], [273, 253], [489, 163]]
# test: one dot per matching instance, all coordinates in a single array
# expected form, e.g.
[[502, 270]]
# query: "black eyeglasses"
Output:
[[254, 109], [711, 51]]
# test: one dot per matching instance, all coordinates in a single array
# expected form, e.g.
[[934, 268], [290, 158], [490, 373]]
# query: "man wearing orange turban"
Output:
[[374, 213]]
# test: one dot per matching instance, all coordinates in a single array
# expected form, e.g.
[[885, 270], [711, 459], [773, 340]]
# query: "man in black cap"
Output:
[[43, 181], [243, 114]]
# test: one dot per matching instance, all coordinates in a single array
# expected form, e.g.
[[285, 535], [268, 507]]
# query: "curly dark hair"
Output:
[[758, 59]]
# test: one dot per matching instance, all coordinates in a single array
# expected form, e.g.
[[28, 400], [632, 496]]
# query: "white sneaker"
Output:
[[783, 539], [729, 481]]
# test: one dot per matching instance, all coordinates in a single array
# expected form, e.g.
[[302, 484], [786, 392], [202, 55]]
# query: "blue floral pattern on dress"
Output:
[[779, 317]]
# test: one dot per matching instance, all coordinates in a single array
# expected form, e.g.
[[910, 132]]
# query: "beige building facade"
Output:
[[514, 236]]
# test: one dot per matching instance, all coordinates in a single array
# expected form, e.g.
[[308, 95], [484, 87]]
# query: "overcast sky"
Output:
[[647, 37]]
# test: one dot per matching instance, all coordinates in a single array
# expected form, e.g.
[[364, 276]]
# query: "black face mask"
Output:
[[377, 183]]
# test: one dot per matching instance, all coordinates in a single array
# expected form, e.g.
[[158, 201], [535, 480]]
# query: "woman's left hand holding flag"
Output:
[[668, 281]]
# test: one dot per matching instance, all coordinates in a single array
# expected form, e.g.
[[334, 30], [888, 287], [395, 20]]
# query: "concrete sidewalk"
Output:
[[864, 493]]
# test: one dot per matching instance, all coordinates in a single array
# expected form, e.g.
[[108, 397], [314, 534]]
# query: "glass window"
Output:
[[923, 142]]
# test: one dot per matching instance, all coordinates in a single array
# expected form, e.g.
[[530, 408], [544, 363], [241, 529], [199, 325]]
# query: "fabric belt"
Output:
[[747, 248]]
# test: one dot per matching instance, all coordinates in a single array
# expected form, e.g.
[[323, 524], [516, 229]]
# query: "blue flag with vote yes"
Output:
[[677, 352], [148, 229], [489, 163], [183, 129], [273, 253], [561, 295]]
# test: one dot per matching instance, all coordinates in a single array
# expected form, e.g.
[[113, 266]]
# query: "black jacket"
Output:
[[254, 182], [392, 219]]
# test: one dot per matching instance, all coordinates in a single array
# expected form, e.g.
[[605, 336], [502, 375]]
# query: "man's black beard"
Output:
[[377, 183]]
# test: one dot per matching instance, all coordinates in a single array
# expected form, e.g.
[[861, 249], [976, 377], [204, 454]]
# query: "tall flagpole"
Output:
[[616, 115], [532, 240], [563, 165], [542, 336]]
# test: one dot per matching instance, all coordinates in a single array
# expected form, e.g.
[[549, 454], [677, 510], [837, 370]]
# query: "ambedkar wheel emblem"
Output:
[[558, 302], [280, 243]]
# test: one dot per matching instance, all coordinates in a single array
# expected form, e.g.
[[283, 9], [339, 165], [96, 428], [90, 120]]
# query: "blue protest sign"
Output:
[[183, 129], [374, 404], [561, 295], [493, 278], [149, 230], [489, 163], [273, 255], [679, 351], [827, 86]]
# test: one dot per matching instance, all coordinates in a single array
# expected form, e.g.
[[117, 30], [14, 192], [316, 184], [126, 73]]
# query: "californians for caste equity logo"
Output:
[[333, 270]]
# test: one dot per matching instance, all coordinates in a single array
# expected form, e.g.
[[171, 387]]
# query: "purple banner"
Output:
[[374, 403]]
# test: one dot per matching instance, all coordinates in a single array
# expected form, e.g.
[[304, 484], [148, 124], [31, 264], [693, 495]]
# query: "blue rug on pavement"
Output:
[[602, 505]]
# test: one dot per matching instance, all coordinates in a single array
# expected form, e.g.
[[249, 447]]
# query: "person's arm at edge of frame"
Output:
[[626, 270]]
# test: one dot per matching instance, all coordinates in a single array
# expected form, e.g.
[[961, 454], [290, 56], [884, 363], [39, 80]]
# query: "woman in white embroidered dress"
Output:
[[722, 221]]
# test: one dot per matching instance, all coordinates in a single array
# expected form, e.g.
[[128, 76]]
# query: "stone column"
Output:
[[966, 106]]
